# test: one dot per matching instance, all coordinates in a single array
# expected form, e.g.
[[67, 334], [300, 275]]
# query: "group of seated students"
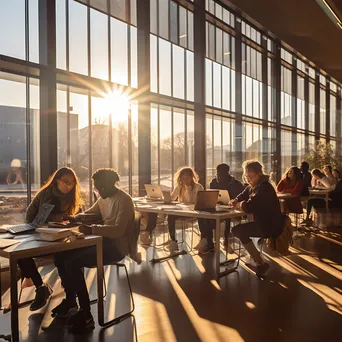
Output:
[[258, 198], [117, 211]]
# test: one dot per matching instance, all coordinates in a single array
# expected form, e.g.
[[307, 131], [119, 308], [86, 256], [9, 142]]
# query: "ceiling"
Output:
[[303, 25]]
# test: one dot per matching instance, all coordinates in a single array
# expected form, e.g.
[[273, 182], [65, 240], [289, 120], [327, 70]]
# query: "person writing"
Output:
[[258, 198], [117, 211], [320, 180], [63, 191], [185, 192]]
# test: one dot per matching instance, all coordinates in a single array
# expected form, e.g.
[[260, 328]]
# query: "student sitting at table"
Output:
[[186, 192], [63, 191], [320, 181], [319, 203], [223, 181], [327, 170], [260, 199], [307, 177], [117, 212], [336, 174], [292, 183]]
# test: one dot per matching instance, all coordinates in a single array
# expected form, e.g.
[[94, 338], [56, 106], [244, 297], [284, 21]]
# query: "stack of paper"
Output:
[[53, 234]]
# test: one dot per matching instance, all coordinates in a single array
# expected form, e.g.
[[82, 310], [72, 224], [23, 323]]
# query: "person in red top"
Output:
[[292, 183]]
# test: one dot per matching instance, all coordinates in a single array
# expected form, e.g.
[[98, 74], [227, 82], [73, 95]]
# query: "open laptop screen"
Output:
[[43, 214]]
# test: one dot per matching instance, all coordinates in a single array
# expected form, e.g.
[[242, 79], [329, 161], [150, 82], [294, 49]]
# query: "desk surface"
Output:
[[319, 191], [142, 205], [30, 246]]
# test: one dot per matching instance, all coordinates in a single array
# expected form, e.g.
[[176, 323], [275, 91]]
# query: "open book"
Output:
[[53, 234]]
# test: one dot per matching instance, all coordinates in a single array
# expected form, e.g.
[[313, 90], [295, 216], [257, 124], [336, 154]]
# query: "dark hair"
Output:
[[107, 175], [73, 199], [305, 165], [296, 171], [253, 166], [337, 170], [318, 173], [223, 167], [328, 167]]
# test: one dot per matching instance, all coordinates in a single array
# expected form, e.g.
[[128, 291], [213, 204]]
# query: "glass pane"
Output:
[[190, 76], [60, 34], [164, 67], [183, 38], [217, 85], [135, 151], [218, 45], [99, 44], [164, 18], [134, 57], [154, 65], [209, 137], [154, 144], [62, 127], [153, 16], [217, 142], [208, 83], [165, 148], [13, 158], [178, 139], [226, 88], [119, 52], [78, 44], [173, 22], [178, 72], [190, 137], [190, 30], [118, 9], [33, 31], [12, 19]]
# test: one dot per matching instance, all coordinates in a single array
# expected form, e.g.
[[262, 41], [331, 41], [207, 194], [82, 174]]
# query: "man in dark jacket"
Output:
[[260, 199], [304, 168], [222, 181]]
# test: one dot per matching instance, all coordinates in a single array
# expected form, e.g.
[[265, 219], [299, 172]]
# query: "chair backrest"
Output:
[[133, 238]]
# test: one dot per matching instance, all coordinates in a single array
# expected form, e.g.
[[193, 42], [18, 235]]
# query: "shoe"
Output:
[[43, 293], [262, 269], [64, 309], [145, 238], [205, 248], [172, 246], [81, 322], [202, 243]]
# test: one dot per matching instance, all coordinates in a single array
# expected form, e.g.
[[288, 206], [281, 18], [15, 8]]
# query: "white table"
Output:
[[159, 207], [321, 193]]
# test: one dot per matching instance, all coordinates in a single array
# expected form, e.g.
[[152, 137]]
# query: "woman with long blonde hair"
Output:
[[63, 191], [186, 192]]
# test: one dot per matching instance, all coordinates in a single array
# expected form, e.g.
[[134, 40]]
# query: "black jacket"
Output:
[[336, 195], [262, 201], [232, 185], [306, 184]]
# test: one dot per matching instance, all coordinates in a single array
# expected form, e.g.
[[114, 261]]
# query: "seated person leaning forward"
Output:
[[292, 184], [258, 198], [63, 191], [185, 192], [223, 181], [319, 203], [117, 212]]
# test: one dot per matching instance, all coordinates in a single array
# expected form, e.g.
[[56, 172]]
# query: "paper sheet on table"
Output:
[[4, 243], [144, 206]]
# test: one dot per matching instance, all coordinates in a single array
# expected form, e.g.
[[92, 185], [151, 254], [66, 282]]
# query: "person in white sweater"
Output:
[[185, 192], [117, 211], [320, 181]]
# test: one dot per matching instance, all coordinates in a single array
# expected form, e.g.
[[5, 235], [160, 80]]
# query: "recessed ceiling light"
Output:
[[182, 36]]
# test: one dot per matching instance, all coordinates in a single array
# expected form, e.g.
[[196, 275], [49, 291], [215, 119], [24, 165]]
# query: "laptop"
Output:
[[153, 191], [39, 220], [167, 198], [223, 197], [206, 200]]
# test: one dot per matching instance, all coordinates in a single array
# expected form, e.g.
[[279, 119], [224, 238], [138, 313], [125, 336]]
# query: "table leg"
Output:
[[14, 301], [217, 247], [99, 257]]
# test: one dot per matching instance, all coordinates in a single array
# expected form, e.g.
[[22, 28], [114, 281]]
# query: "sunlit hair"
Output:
[[253, 166], [317, 172], [72, 200], [106, 175], [296, 171], [186, 170]]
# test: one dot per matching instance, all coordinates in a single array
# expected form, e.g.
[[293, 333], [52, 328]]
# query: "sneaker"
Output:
[[172, 246], [145, 238], [262, 269], [64, 309], [206, 249], [81, 322], [43, 293], [202, 243]]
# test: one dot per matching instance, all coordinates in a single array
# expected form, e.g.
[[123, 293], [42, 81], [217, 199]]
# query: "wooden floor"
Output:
[[179, 300]]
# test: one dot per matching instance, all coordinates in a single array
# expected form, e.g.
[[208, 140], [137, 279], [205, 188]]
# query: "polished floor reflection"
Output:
[[178, 300]]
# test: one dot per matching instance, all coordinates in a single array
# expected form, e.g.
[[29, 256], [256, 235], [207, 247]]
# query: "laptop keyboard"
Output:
[[20, 228]]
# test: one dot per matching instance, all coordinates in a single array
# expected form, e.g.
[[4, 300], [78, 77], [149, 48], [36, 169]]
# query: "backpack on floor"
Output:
[[282, 243]]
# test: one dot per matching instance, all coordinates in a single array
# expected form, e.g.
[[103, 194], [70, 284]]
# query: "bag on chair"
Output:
[[282, 243]]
